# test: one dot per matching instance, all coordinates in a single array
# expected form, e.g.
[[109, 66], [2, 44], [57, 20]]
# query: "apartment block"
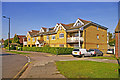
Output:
[[81, 34]]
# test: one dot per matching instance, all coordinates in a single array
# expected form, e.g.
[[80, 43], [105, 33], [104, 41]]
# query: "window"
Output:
[[76, 34], [37, 38], [28, 39], [97, 46], [61, 35], [61, 45], [97, 36], [47, 37], [53, 37], [33, 39], [78, 24], [97, 28]]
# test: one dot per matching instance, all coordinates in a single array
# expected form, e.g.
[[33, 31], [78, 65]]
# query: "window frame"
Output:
[[28, 39], [97, 45], [97, 28], [60, 36], [61, 44], [52, 37], [47, 38], [33, 39], [97, 36]]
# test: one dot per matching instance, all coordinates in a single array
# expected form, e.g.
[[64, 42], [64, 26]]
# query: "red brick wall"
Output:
[[116, 45]]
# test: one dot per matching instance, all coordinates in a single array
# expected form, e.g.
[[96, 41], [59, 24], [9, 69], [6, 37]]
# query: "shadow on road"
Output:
[[6, 54]]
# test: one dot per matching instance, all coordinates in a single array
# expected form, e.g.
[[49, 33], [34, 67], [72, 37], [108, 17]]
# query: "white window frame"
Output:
[[28, 39], [47, 38], [97, 45], [97, 36], [61, 44], [33, 39], [52, 37], [97, 28], [60, 34]]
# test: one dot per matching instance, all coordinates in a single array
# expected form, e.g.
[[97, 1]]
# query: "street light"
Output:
[[9, 31]]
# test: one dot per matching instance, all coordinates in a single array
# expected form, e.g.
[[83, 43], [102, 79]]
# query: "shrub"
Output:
[[52, 50], [11, 48]]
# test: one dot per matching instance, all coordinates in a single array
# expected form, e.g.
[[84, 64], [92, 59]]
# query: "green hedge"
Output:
[[19, 48], [53, 50], [11, 48]]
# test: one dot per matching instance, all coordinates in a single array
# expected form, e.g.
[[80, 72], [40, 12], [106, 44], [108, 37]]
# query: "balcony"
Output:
[[74, 39], [25, 43]]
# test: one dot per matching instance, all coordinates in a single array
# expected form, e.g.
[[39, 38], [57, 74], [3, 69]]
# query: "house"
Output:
[[82, 34], [20, 37], [117, 40], [2, 43]]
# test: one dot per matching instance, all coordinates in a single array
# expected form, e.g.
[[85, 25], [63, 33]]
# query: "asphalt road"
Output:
[[12, 64]]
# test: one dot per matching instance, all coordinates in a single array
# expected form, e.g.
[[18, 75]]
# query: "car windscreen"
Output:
[[110, 49], [90, 50], [76, 50]]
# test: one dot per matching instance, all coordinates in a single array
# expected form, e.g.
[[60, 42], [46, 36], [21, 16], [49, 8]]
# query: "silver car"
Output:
[[81, 53]]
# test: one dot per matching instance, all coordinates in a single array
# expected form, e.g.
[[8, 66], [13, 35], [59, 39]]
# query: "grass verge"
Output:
[[112, 58], [17, 52], [87, 69]]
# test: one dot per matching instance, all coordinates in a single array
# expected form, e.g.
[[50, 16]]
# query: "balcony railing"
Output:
[[25, 43], [74, 39]]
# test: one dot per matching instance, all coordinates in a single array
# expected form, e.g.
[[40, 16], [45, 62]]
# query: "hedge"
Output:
[[52, 50], [11, 48]]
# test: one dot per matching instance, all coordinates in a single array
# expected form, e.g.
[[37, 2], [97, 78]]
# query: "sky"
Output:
[[26, 16]]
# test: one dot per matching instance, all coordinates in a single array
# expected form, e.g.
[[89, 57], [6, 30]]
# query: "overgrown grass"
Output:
[[17, 52], [87, 69]]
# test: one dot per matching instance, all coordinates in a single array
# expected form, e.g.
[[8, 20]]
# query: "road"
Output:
[[12, 64]]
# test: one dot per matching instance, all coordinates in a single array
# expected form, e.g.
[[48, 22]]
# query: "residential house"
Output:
[[82, 34], [2, 43], [117, 40], [20, 37]]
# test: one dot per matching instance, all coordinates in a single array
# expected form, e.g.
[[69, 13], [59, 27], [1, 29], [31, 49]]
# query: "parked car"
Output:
[[110, 51], [81, 53], [96, 52]]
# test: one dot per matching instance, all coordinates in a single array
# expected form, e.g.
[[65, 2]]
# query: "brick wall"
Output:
[[116, 45]]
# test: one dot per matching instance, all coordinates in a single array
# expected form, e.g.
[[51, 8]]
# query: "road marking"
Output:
[[16, 77]]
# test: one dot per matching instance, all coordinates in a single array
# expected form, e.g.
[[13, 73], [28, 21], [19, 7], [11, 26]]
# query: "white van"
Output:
[[81, 53]]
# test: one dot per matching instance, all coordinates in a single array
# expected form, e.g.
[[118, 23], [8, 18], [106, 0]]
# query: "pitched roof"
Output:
[[21, 36], [84, 21], [117, 27], [44, 29], [68, 27], [33, 32], [25, 39]]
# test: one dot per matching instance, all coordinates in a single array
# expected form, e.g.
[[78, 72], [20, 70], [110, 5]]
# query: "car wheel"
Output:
[[102, 54], [74, 55], [96, 55], [83, 56]]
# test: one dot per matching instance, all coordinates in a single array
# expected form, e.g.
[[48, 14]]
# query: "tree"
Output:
[[6, 42], [15, 39], [111, 39]]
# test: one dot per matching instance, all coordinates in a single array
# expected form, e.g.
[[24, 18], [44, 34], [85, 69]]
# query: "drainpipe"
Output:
[[79, 39]]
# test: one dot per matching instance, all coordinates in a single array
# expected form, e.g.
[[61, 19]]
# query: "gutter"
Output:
[[17, 76]]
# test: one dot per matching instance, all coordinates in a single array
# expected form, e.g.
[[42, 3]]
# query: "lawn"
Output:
[[101, 57], [17, 52], [87, 69]]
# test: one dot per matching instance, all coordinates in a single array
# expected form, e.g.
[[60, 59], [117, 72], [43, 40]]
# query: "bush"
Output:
[[52, 50], [19, 48], [11, 48]]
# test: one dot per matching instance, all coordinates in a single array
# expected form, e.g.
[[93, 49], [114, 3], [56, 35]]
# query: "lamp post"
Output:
[[8, 32]]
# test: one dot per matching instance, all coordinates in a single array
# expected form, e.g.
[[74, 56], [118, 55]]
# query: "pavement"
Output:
[[43, 64], [11, 64]]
